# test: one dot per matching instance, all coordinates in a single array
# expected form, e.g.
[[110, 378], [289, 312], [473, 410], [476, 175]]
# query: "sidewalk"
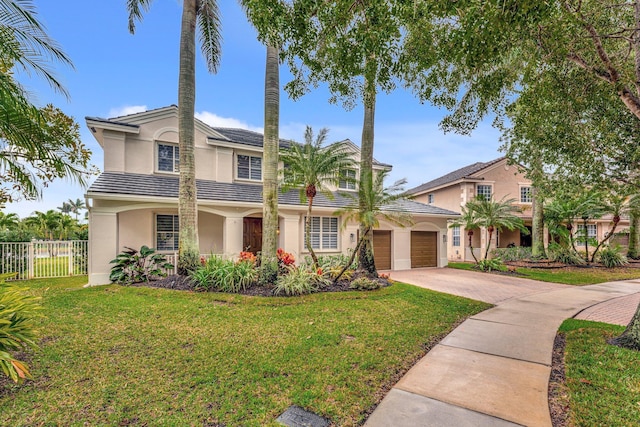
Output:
[[493, 370]]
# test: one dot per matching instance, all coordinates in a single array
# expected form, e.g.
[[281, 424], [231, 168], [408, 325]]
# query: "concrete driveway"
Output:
[[491, 288]]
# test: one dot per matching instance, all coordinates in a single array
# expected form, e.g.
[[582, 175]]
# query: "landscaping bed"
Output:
[[184, 283], [124, 355]]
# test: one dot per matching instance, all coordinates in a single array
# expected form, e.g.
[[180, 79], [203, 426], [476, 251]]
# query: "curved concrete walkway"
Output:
[[493, 370]]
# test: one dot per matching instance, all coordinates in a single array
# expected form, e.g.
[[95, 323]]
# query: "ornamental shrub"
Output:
[[17, 328], [132, 266], [364, 284], [300, 281], [611, 256]]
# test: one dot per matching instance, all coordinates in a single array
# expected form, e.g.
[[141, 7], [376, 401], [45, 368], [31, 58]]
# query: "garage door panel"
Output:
[[424, 249], [382, 249]]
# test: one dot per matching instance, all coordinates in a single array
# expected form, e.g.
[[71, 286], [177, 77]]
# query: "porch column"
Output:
[[103, 245], [232, 236], [290, 239]]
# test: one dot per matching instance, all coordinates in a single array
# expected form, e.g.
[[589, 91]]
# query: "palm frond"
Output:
[[209, 25]]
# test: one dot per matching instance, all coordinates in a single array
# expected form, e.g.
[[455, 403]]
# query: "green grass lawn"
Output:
[[603, 381], [568, 275], [115, 355]]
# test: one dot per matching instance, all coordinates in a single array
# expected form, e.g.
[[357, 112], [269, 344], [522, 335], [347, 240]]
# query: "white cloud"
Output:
[[126, 110], [225, 122]]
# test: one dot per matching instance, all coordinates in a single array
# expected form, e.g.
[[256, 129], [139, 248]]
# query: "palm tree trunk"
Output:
[[270, 160], [605, 240], [307, 234], [471, 247], [366, 260], [351, 258], [537, 225], [586, 241], [630, 338], [486, 250], [634, 236], [189, 248]]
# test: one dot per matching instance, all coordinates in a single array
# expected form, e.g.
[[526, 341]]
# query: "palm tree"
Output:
[[313, 167], [76, 206], [44, 223], [374, 201], [270, 164], [9, 221], [468, 221], [65, 208], [36, 144], [204, 16], [495, 216]]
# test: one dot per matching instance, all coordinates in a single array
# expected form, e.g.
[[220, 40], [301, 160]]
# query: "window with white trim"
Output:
[[168, 158], [592, 231], [249, 167], [167, 227], [350, 182], [483, 191], [525, 195], [324, 232], [430, 198], [455, 233]]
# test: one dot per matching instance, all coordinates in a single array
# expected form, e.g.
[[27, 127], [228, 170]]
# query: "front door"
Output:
[[252, 235], [525, 239]]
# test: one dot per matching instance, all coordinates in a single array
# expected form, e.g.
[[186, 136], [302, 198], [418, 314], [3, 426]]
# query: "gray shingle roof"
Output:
[[456, 175], [248, 137], [167, 186]]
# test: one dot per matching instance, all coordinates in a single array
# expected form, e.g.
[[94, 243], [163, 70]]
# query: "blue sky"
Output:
[[115, 73]]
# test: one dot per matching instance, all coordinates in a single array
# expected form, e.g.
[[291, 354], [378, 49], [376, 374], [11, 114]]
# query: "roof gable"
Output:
[[472, 171]]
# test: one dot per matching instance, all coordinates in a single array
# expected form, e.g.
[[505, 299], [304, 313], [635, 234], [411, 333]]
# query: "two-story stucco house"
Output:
[[494, 179], [134, 201]]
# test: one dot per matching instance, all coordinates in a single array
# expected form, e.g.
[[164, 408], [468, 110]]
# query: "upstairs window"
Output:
[[249, 167], [483, 191], [167, 227], [168, 158], [430, 198], [525, 195], [350, 182]]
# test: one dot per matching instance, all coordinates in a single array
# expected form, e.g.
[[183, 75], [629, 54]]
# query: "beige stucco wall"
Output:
[[119, 223]]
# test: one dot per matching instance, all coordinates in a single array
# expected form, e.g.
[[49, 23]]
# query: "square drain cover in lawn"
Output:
[[295, 416]]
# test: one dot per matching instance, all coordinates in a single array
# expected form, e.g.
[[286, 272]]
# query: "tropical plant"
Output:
[[496, 216], [611, 256], [564, 254], [225, 275], [333, 265], [374, 201], [516, 253], [364, 284], [9, 221], [133, 266], [313, 167], [17, 328], [75, 207], [202, 16], [299, 281], [468, 222], [65, 208], [37, 145], [493, 264]]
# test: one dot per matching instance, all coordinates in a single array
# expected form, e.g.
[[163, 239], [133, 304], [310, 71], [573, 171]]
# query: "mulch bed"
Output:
[[558, 399], [184, 283]]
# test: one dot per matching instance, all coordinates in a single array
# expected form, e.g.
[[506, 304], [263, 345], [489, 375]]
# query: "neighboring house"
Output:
[[494, 179], [134, 202]]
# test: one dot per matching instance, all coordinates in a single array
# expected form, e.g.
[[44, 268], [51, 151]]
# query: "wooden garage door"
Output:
[[424, 249], [382, 249]]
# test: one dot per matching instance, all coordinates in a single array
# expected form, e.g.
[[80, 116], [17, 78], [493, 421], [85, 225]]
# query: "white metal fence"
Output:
[[40, 259]]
